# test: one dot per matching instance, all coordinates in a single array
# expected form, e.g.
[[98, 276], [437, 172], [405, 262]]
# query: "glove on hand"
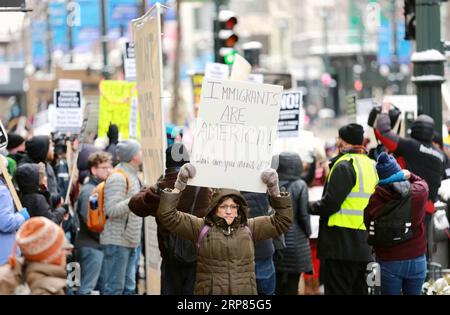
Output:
[[270, 178], [187, 171]]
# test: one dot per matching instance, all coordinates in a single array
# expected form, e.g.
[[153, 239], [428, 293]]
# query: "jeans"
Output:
[[119, 270], [91, 261], [265, 276], [403, 276]]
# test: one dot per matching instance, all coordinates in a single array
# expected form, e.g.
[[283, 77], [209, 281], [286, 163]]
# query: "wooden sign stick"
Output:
[[11, 187]]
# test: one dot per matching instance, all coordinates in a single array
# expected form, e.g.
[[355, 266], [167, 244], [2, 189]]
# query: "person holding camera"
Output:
[[415, 153]]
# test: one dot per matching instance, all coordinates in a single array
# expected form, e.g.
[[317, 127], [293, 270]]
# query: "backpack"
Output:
[[96, 218], [392, 225], [181, 249]]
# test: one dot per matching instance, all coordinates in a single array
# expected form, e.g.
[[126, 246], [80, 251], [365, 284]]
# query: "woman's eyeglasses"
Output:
[[225, 207]]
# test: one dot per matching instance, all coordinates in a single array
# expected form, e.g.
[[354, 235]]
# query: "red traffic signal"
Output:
[[227, 19]]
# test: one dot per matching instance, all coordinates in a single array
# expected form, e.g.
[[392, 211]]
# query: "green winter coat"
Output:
[[225, 261]]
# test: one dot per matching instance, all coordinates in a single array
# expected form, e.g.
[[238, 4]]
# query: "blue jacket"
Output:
[[9, 223]]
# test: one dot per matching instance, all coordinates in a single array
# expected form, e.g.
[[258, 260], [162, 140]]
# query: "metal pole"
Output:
[[326, 57], [49, 38], [104, 32], [176, 68], [429, 74], [395, 67], [69, 32]]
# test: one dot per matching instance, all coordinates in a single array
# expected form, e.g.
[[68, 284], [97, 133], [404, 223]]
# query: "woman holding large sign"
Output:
[[225, 237]]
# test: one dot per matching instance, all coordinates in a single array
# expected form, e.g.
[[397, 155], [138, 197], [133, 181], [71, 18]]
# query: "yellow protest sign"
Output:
[[118, 105]]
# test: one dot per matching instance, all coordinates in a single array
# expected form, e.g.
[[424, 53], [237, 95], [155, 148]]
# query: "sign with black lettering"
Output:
[[129, 63], [235, 133], [68, 112], [3, 137], [290, 114]]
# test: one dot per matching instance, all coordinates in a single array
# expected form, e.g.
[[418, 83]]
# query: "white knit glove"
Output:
[[270, 178], [186, 171]]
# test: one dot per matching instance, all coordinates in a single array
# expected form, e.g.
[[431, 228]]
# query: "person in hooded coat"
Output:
[[40, 149], [225, 237], [177, 274], [296, 257], [34, 195]]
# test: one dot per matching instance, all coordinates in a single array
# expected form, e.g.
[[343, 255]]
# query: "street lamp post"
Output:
[[104, 31], [429, 60]]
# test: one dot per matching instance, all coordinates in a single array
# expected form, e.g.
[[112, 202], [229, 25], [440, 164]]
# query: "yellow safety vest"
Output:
[[351, 214]]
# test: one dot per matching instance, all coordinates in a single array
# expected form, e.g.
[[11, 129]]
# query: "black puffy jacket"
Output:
[[296, 257], [259, 206], [35, 200]]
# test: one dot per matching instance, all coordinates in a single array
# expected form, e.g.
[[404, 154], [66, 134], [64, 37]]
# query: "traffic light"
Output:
[[410, 19], [224, 36]]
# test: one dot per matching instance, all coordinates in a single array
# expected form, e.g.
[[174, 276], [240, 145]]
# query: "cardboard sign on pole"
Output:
[[147, 41], [235, 133]]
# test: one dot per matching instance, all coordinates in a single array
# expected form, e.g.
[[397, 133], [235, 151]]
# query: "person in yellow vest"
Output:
[[342, 246]]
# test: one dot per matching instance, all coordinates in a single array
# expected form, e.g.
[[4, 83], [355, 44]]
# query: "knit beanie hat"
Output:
[[422, 128], [176, 155], [352, 133], [42, 240], [14, 140], [127, 149], [387, 166]]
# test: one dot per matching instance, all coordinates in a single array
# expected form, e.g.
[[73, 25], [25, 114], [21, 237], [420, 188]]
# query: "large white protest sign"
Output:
[[235, 133], [69, 115], [289, 120]]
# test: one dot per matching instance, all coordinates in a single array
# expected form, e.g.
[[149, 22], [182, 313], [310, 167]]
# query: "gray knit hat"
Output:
[[127, 149]]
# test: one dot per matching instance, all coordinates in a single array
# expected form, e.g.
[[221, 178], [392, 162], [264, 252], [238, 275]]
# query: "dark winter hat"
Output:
[[387, 166], [176, 155], [422, 128], [127, 149], [37, 148], [352, 133], [14, 140]]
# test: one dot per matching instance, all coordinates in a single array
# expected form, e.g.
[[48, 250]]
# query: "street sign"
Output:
[[3, 137], [129, 62]]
